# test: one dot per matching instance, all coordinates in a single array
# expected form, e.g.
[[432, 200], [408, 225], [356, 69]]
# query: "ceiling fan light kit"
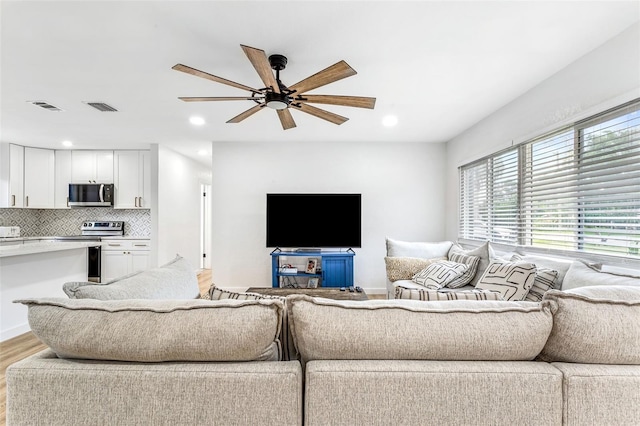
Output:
[[275, 95]]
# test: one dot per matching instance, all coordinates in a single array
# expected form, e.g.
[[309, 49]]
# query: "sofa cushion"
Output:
[[174, 280], [471, 261], [544, 281], [581, 274], [158, 330], [424, 250], [484, 252], [417, 330], [545, 262], [512, 280], [288, 347], [404, 268], [594, 325], [427, 295]]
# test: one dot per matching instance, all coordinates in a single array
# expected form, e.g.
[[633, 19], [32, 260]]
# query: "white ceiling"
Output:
[[439, 66]]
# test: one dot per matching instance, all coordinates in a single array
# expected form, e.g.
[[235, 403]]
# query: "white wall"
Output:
[[606, 77], [176, 211], [402, 191]]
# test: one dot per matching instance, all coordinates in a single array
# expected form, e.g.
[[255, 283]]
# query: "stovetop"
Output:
[[102, 228]]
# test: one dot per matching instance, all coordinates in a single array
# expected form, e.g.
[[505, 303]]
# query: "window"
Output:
[[577, 189]]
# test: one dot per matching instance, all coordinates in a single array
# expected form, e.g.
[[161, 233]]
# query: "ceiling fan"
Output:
[[277, 96]]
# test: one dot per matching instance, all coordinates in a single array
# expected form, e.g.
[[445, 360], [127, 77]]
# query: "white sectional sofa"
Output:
[[405, 258], [572, 359]]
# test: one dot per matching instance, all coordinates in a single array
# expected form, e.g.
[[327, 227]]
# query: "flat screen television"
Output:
[[314, 220]]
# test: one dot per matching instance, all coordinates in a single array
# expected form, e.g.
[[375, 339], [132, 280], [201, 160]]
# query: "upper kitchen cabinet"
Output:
[[12, 175], [132, 172], [63, 179], [91, 167], [39, 177]]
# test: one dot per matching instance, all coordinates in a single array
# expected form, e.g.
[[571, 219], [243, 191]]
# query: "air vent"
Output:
[[45, 105], [101, 106]]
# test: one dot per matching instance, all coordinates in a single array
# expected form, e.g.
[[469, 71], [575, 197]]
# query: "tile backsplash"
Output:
[[60, 222]]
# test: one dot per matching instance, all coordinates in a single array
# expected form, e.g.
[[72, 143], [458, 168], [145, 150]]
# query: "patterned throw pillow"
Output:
[[427, 295], [511, 279], [439, 274], [545, 281], [484, 252], [404, 268], [464, 279], [288, 348]]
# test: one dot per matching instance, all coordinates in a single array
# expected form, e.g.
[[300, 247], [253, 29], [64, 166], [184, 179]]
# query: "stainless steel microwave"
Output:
[[90, 195]]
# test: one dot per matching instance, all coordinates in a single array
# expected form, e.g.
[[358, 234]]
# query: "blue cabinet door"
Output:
[[337, 271]]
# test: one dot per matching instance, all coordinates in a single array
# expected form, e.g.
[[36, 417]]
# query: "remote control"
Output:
[[359, 289]]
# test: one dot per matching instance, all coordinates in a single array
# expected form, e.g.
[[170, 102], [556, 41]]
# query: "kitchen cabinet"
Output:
[[91, 166], [122, 257], [132, 179], [62, 179], [16, 176], [39, 178], [11, 175]]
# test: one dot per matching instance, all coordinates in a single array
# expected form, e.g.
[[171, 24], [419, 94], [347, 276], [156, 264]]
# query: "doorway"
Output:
[[205, 227]]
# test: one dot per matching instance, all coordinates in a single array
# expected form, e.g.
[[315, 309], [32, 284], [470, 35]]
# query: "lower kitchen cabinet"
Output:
[[122, 257]]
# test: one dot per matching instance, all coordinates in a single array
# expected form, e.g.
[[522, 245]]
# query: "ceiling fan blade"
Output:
[[320, 113], [286, 119], [238, 118], [198, 73], [351, 101], [260, 62], [218, 98], [335, 72]]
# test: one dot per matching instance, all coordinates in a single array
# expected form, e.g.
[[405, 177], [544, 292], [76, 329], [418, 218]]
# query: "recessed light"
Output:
[[389, 121], [202, 152], [67, 143], [196, 121]]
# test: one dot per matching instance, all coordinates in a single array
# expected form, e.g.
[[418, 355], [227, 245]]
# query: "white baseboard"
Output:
[[14, 332]]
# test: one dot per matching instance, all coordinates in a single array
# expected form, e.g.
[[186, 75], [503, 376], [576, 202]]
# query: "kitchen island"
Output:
[[36, 269]]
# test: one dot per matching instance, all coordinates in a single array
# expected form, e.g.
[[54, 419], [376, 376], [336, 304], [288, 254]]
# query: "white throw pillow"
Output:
[[439, 274], [511, 279]]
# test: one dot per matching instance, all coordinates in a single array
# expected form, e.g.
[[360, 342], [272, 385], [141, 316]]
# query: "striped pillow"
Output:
[[288, 348], [545, 280], [464, 279], [439, 274], [511, 279], [427, 295]]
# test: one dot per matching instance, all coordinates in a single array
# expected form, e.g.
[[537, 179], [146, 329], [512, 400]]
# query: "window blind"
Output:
[[576, 189]]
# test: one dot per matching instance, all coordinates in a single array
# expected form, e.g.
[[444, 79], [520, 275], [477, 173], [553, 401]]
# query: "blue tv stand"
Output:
[[336, 267]]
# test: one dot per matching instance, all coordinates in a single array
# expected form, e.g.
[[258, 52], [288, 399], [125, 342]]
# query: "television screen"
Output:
[[313, 220]]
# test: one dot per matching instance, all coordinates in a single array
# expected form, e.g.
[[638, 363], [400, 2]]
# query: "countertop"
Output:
[[48, 238], [44, 247]]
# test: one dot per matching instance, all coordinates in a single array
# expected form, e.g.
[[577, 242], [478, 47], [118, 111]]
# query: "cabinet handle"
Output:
[[140, 245], [136, 201], [67, 201], [113, 245], [13, 201], [27, 201], [139, 201]]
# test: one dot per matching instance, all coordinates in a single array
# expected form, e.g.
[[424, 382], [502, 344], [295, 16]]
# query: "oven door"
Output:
[[95, 265]]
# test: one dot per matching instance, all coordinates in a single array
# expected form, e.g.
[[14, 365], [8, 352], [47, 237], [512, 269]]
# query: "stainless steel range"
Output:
[[94, 231]]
